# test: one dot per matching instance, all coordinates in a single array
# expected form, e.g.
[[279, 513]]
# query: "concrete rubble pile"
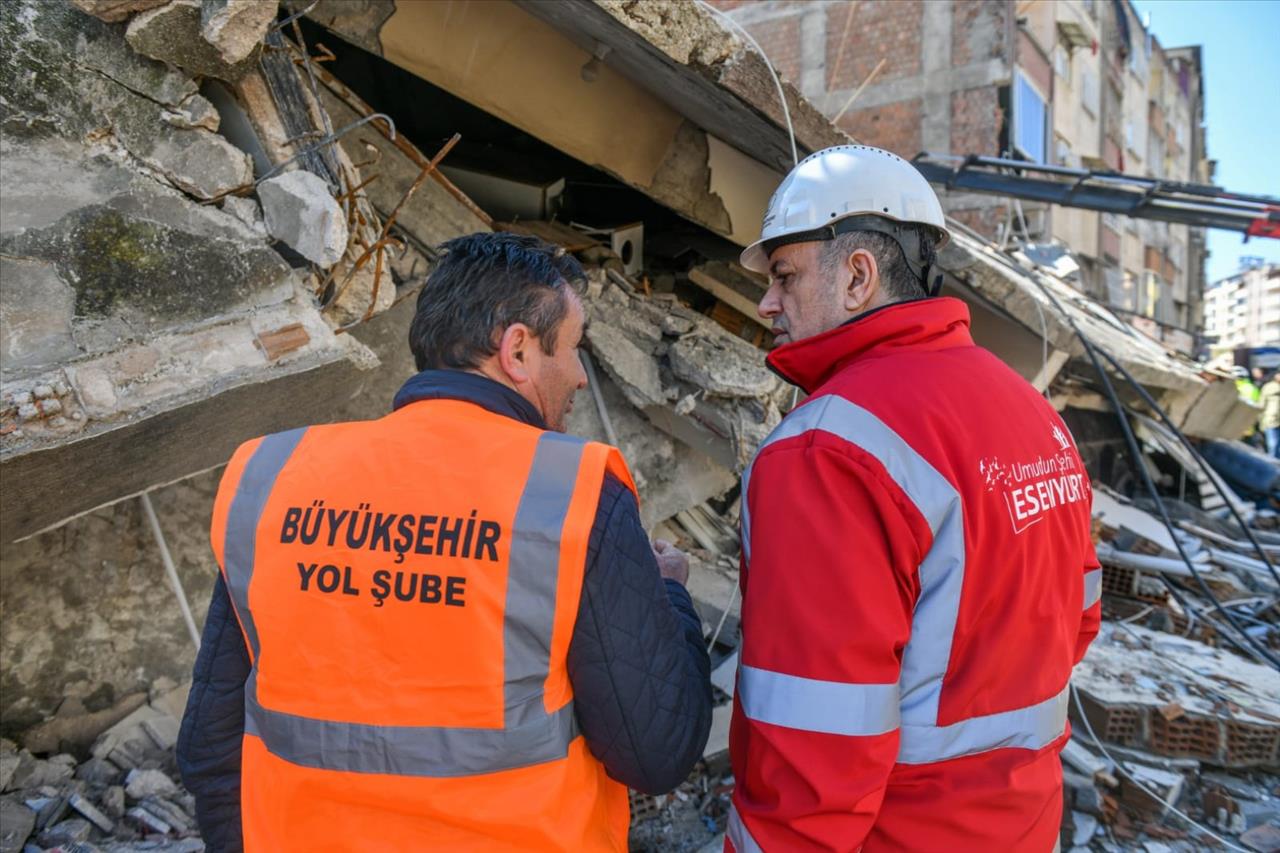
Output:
[[115, 791], [1167, 715]]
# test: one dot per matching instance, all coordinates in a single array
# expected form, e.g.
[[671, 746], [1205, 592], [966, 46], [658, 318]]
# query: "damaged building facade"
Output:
[[215, 223], [1071, 83]]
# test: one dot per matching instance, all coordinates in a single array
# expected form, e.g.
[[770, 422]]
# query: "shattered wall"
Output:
[[129, 292]]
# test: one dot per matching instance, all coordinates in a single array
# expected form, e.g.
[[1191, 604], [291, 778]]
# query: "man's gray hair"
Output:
[[899, 282]]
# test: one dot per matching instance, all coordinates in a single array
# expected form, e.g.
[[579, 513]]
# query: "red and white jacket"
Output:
[[918, 581]]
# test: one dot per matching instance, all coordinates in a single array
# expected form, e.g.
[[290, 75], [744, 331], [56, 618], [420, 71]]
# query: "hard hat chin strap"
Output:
[[918, 252]]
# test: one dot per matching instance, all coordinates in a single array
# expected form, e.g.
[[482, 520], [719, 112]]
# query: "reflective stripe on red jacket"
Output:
[[918, 581]]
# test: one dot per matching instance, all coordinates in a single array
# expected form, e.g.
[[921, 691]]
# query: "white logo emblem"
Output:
[[1061, 437]]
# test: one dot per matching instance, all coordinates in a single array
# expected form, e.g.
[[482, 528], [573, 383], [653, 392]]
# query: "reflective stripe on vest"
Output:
[[925, 659], [529, 734], [1092, 588], [738, 833], [817, 706]]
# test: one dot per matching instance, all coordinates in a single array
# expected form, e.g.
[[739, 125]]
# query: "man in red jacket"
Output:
[[918, 577]]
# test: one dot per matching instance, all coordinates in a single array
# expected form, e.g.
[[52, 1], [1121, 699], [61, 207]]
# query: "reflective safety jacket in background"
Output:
[[408, 627], [918, 581]]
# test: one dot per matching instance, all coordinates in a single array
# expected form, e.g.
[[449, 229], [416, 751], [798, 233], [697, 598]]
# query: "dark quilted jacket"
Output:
[[637, 662]]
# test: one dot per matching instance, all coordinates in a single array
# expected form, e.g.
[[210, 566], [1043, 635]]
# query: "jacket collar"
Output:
[[924, 324], [470, 388]]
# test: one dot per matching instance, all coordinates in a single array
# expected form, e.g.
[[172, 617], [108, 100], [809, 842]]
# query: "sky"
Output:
[[1242, 102]]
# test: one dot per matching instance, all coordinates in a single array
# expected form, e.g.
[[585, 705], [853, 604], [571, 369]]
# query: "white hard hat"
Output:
[[834, 184]]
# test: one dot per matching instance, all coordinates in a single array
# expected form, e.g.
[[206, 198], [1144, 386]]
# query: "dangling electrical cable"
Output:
[[782, 95], [1256, 649], [1195, 454]]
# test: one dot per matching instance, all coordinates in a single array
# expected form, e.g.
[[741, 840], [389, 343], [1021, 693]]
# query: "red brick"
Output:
[[1034, 64], [876, 29], [779, 38], [894, 127], [976, 119]]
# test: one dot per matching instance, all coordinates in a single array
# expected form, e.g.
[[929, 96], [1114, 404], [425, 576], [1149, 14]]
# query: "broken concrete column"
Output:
[[236, 27], [301, 213]]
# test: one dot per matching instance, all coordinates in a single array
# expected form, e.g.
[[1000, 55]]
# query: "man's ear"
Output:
[[864, 282], [513, 352]]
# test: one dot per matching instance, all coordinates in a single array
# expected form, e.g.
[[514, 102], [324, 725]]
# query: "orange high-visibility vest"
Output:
[[408, 588]]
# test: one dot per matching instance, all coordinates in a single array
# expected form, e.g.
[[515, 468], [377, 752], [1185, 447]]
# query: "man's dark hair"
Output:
[[900, 283], [484, 283]]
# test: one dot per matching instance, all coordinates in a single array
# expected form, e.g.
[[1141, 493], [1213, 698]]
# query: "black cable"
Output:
[[1135, 451], [1195, 454]]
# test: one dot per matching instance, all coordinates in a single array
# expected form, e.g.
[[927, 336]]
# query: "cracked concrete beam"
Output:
[[698, 66], [531, 78]]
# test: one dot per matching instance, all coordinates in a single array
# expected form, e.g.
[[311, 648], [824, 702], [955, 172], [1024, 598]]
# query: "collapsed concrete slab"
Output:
[[1196, 404], [620, 120], [1178, 697], [129, 306]]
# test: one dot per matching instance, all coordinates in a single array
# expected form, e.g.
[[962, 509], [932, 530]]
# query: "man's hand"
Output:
[[672, 563]]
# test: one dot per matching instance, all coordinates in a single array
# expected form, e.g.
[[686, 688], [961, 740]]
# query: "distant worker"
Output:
[[1249, 389], [1244, 386], [1269, 397], [445, 629], [918, 576]]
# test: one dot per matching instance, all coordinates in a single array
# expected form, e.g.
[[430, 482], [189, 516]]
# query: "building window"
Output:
[[1029, 120]]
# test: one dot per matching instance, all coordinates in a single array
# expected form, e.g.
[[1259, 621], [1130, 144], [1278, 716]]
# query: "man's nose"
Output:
[[771, 305]]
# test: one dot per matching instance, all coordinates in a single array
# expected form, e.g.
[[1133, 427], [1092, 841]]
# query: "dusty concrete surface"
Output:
[[87, 610]]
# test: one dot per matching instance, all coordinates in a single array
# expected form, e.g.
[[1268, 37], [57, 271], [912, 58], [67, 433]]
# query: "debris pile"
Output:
[[1176, 729], [682, 370], [117, 795]]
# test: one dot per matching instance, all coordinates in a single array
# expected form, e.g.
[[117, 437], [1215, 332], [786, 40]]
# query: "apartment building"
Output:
[[1243, 310], [1080, 83]]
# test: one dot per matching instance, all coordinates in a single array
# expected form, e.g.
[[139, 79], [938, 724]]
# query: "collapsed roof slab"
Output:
[[683, 55], [513, 65], [679, 109], [1200, 408]]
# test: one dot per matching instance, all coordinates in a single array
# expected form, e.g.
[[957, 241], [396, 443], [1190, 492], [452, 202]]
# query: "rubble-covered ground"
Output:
[[119, 794]]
